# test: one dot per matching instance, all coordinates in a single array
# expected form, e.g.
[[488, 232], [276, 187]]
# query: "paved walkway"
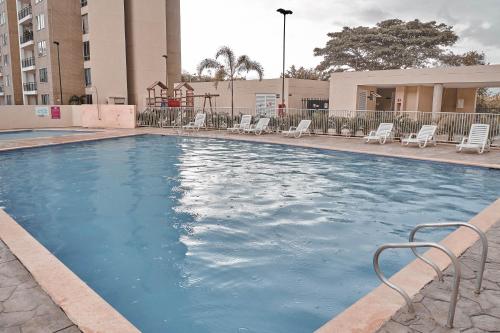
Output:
[[475, 313], [24, 306]]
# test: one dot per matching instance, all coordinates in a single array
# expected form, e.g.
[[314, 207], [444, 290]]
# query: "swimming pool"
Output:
[[32, 134], [203, 235]]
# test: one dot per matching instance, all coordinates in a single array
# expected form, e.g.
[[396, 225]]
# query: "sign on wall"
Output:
[[42, 111], [265, 105], [55, 112]]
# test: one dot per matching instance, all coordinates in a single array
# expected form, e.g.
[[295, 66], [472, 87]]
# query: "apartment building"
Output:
[[10, 75], [104, 52]]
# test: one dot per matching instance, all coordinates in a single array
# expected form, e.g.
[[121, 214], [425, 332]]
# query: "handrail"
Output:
[[456, 279], [482, 236]]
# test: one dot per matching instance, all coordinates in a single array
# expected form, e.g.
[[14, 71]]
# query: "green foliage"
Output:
[[391, 44], [188, 77], [470, 58], [306, 73], [230, 68], [75, 100]]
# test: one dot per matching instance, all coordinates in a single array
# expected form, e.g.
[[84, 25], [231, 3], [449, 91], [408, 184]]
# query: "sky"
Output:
[[254, 28]]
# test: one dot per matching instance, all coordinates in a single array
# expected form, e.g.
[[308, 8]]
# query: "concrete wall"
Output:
[[245, 91], [425, 95], [146, 38], [24, 116], [343, 86], [102, 116], [108, 57], [12, 70], [105, 116], [174, 41], [63, 25]]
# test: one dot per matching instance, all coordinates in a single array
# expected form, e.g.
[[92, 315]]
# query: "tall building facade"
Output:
[[100, 51]]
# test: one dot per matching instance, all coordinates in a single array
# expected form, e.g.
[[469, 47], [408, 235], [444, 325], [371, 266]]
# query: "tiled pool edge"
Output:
[[82, 305], [372, 311]]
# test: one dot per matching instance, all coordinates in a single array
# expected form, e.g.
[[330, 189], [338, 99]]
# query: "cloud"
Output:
[[254, 27]]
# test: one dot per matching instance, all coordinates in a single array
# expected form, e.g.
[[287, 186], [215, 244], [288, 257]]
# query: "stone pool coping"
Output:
[[91, 313]]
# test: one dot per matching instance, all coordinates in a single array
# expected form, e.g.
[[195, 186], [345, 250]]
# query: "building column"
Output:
[[437, 98]]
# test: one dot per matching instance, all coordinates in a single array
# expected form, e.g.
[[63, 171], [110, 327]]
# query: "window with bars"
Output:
[[86, 51], [88, 77], [45, 99], [85, 24], [43, 75]]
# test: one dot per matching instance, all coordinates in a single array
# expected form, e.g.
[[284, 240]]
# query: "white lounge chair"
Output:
[[260, 127], [299, 130], [199, 122], [426, 134], [477, 140], [382, 134], [244, 124]]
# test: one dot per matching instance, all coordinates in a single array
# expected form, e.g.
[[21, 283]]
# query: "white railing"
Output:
[[452, 127]]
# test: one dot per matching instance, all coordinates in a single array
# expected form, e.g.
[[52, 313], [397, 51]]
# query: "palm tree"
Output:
[[229, 68]]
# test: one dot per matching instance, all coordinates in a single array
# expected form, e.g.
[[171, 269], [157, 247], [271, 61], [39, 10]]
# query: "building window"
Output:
[[88, 77], [38, 1], [85, 24], [83, 3], [86, 51], [45, 99], [88, 99], [2, 18], [7, 80], [43, 75], [40, 22], [4, 39], [42, 48], [6, 60], [9, 99]]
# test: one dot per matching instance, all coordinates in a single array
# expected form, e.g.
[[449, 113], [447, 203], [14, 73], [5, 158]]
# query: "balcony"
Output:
[[29, 87], [28, 62], [24, 13], [26, 37], [83, 3]]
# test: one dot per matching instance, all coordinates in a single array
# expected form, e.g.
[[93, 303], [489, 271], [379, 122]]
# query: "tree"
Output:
[[230, 68], [306, 73], [470, 58], [188, 77], [391, 44]]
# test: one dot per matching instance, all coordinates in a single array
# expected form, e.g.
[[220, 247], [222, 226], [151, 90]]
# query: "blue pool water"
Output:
[[31, 134], [198, 235]]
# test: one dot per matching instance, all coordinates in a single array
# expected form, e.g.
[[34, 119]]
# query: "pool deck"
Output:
[[24, 306], [475, 313], [366, 316]]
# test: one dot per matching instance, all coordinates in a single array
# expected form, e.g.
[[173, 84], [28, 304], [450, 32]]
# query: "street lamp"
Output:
[[166, 73], [285, 12], [59, 65]]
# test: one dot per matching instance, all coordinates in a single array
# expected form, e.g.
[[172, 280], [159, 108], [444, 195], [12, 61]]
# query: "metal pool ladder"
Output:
[[457, 273]]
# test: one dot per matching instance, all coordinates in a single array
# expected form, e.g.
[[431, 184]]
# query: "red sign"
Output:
[[55, 112]]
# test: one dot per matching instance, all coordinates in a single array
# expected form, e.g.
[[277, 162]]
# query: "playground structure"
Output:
[[183, 97]]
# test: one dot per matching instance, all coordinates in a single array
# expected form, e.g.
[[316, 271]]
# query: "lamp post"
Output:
[[59, 65], [284, 12], [166, 73]]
